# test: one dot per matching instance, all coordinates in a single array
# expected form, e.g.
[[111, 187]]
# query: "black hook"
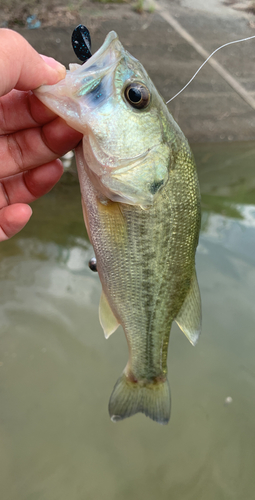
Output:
[[81, 42]]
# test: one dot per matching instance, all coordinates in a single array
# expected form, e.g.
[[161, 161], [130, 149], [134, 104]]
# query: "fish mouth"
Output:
[[111, 39], [103, 62], [81, 81]]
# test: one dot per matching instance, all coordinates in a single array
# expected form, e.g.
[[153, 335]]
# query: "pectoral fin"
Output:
[[106, 317], [189, 316]]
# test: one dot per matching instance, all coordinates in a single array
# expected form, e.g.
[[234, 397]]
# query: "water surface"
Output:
[[57, 370]]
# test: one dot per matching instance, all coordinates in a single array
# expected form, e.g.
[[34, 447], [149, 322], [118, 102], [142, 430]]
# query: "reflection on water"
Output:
[[57, 370]]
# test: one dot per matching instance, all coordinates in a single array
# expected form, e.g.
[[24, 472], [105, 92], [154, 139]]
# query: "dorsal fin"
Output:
[[107, 319], [189, 316]]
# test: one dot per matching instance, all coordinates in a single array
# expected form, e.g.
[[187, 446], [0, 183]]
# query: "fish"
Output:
[[141, 207]]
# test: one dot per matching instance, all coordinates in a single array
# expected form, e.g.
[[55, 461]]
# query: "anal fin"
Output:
[[189, 316], [107, 319]]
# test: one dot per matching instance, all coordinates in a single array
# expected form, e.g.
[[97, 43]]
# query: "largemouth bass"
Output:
[[141, 206]]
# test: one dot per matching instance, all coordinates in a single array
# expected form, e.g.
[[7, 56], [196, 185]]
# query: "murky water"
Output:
[[57, 370]]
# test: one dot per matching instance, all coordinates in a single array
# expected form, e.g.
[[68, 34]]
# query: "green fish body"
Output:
[[141, 206]]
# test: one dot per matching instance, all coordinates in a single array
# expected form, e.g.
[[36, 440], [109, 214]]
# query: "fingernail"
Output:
[[60, 68]]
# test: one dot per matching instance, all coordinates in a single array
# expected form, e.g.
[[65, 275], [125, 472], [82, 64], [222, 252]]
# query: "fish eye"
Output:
[[137, 95]]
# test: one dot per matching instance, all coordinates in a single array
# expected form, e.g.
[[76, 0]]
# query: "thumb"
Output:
[[22, 68]]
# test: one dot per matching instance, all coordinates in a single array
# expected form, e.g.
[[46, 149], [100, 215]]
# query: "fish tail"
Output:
[[152, 399]]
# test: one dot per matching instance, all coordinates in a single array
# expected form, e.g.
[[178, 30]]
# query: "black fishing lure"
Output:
[[81, 42]]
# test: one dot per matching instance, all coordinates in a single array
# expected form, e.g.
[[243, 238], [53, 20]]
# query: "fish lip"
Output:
[[99, 64], [112, 35]]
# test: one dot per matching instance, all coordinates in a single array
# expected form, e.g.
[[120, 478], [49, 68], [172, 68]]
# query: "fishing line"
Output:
[[209, 57]]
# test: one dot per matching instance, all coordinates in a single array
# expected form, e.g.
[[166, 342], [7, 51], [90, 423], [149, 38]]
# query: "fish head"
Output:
[[113, 102]]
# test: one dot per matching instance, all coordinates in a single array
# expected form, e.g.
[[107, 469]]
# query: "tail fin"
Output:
[[129, 398]]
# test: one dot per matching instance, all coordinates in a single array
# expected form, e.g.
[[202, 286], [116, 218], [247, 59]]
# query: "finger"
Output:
[[21, 67], [21, 110], [28, 186], [12, 219], [30, 148]]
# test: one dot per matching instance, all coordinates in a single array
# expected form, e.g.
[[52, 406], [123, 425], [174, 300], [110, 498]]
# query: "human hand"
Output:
[[31, 136]]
